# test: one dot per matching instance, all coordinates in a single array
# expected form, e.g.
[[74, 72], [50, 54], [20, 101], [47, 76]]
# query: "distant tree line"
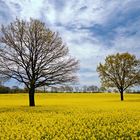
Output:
[[60, 89], [63, 89], [75, 89], [14, 89]]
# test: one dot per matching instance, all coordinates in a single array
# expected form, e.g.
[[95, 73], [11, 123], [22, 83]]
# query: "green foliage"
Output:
[[120, 71]]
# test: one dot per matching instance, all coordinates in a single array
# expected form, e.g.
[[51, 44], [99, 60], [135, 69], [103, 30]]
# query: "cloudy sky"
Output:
[[92, 29]]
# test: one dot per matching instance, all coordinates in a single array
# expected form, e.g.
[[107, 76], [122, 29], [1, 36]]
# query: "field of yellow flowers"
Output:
[[70, 117]]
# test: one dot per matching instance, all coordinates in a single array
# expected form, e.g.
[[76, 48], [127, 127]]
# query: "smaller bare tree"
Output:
[[34, 55], [121, 71]]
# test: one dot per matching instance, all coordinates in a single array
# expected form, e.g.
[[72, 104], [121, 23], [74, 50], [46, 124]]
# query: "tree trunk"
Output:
[[31, 96], [121, 93]]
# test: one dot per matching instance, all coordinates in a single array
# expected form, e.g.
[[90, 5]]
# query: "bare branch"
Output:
[[34, 55]]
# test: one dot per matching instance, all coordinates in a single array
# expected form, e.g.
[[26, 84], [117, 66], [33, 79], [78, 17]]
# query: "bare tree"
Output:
[[121, 71], [34, 55]]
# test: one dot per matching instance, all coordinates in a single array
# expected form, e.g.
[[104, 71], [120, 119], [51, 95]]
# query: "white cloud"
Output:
[[25, 8]]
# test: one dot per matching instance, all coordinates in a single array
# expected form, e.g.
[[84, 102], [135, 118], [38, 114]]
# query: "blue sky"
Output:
[[92, 29]]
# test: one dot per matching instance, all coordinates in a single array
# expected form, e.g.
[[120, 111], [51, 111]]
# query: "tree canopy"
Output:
[[120, 71]]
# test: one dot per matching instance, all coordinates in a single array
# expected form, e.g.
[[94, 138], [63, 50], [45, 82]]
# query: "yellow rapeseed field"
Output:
[[70, 117]]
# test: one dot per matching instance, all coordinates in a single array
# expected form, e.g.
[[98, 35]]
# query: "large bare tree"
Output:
[[34, 55], [120, 71]]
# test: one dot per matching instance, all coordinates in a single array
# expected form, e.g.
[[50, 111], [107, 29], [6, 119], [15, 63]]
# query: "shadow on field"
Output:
[[125, 100], [36, 109], [132, 100]]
